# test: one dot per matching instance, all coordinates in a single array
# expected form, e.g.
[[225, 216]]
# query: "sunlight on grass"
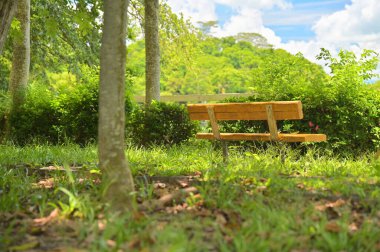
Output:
[[270, 199]]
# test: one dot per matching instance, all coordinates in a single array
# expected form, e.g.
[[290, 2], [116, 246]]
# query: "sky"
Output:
[[295, 25]]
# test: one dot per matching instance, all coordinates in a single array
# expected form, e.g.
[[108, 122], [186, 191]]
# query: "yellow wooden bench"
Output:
[[268, 111]]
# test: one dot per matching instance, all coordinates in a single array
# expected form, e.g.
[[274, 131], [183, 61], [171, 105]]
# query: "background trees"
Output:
[[61, 103], [7, 11]]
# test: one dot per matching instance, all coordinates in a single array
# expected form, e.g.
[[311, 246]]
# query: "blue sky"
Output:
[[295, 25], [287, 25]]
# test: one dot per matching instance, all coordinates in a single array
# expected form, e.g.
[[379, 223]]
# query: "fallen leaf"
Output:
[[102, 225], [183, 183], [353, 227], [111, 243], [301, 186], [261, 189], [47, 183], [221, 219], [176, 209], [46, 220], [333, 227], [159, 185], [338, 203]]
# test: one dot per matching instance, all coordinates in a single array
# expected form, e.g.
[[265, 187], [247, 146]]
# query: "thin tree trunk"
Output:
[[7, 11], [21, 56], [117, 175], [152, 52]]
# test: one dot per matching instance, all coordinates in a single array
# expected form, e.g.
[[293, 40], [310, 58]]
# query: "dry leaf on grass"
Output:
[[102, 225], [111, 243], [353, 227], [46, 183], [301, 186], [338, 203], [260, 189], [183, 183], [159, 185], [333, 227], [46, 220]]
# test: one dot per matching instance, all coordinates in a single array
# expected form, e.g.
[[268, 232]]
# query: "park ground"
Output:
[[272, 199]]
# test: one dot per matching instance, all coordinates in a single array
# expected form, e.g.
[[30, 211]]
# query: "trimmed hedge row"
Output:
[[51, 117]]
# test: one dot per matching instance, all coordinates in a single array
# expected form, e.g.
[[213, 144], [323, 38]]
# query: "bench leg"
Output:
[[225, 151]]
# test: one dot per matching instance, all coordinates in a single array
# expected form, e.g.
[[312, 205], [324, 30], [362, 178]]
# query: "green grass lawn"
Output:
[[263, 200]]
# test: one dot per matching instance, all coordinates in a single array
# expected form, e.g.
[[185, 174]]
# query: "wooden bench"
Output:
[[268, 111]]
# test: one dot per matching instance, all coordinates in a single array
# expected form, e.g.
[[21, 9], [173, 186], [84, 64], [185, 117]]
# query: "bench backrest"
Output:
[[280, 110]]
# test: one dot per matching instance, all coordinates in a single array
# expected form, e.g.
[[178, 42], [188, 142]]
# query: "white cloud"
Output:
[[358, 23], [247, 20], [196, 10], [257, 4], [354, 28], [204, 10]]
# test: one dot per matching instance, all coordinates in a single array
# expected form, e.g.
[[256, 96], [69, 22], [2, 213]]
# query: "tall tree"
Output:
[[21, 55], [152, 51], [7, 11], [113, 163]]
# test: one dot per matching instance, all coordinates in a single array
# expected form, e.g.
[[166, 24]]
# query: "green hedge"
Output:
[[160, 124], [71, 114]]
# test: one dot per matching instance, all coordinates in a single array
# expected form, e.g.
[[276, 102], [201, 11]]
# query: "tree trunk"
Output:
[[7, 11], [152, 52], [113, 163], [21, 56]]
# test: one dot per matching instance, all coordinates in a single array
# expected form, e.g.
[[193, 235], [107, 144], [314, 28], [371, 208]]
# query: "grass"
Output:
[[259, 201]]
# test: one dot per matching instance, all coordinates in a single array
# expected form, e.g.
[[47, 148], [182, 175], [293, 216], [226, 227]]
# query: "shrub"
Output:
[[36, 119], [341, 106], [66, 111], [78, 113], [160, 124], [4, 111]]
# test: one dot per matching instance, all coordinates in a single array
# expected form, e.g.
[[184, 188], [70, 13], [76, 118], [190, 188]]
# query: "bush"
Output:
[[4, 111], [160, 124], [67, 111], [341, 106], [36, 119]]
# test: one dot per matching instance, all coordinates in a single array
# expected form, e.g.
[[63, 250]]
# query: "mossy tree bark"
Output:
[[152, 52], [21, 56], [7, 12], [113, 163]]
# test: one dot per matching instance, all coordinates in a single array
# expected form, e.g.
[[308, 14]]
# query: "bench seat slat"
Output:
[[265, 137]]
